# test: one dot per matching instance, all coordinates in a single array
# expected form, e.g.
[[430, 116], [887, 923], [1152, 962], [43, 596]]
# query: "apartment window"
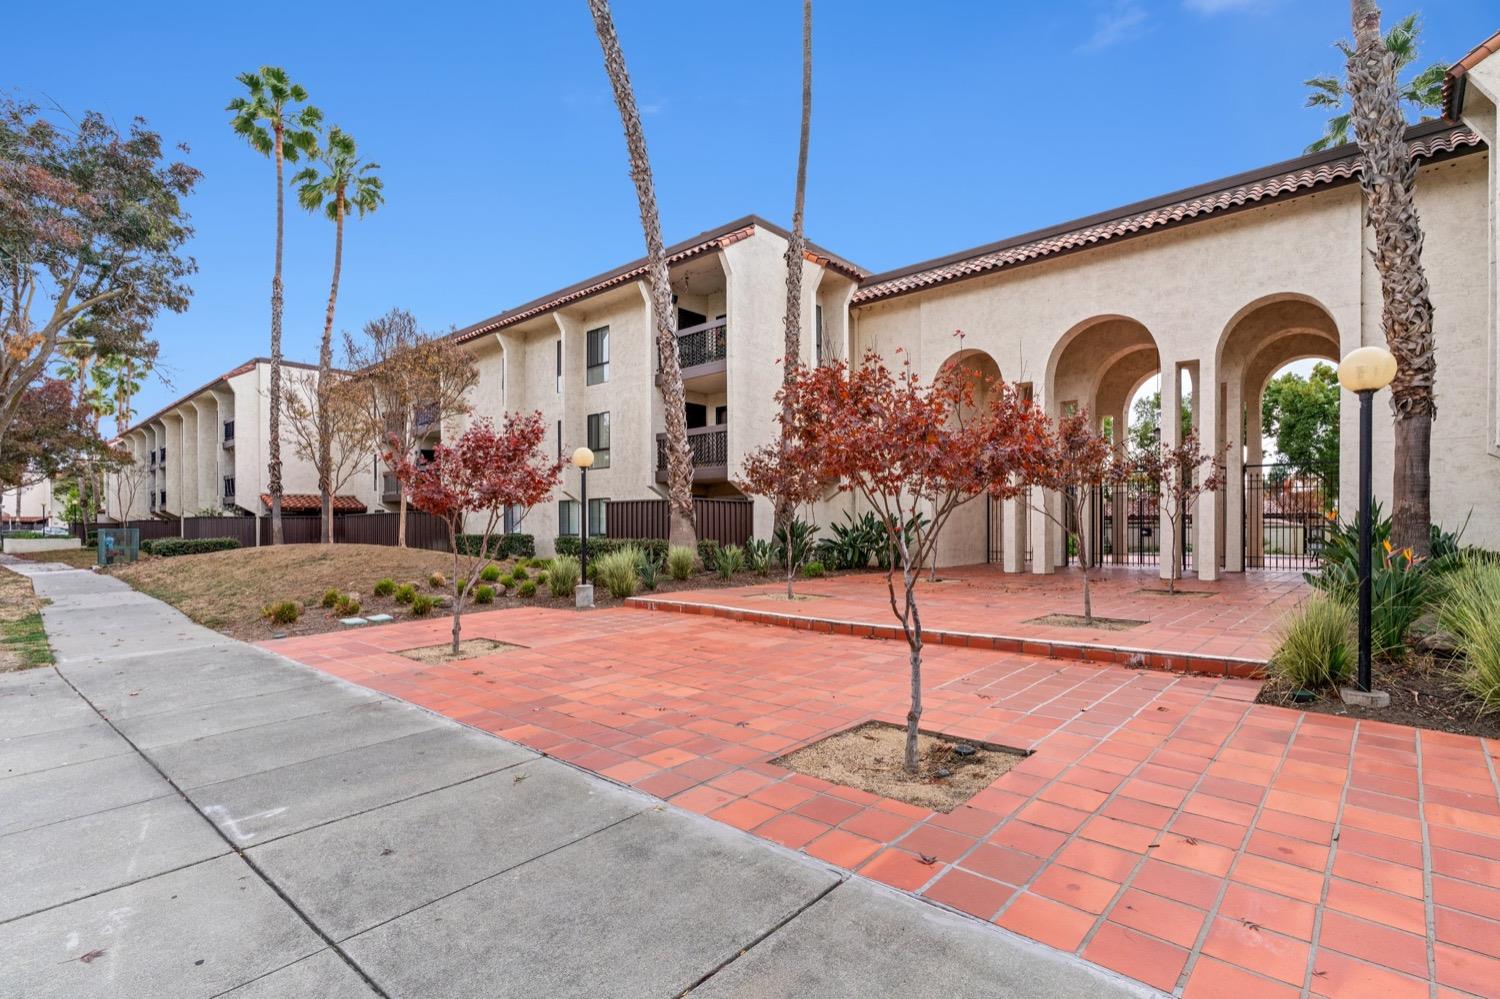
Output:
[[163, 497], [818, 334], [597, 510], [599, 438], [559, 438], [559, 365], [567, 518], [228, 430], [721, 415], [164, 454], [229, 487], [598, 356]]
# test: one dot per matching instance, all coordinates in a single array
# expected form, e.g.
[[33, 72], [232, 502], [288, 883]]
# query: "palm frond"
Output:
[[1326, 91], [1425, 90]]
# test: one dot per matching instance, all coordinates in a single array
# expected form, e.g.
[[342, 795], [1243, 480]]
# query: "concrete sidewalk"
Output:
[[186, 815]]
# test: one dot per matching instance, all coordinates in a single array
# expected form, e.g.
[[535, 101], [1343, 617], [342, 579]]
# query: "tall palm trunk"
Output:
[[679, 456], [274, 470], [1387, 178], [325, 372], [796, 248]]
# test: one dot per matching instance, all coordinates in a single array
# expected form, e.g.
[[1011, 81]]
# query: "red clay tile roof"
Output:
[[705, 242], [1294, 177], [313, 503], [1453, 79]]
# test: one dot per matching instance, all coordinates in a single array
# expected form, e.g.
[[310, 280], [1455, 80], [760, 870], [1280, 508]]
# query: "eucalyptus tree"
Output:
[[336, 184], [273, 116], [681, 529], [1388, 175]]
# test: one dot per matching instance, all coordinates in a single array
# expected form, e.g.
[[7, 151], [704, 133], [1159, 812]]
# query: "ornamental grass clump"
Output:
[[484, 594], [348, 605], [384, 587], [330, 599], [405, 593], [1315, 649], [282, 612], [422, 605], [1470, 612], [490, 573], [730, 560], [562, 575], [619, 571], [527, 589], [681, 561]]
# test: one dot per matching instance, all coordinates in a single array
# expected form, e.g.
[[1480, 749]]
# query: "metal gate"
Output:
[[1125, 526], [1287, 515], [994, 529]]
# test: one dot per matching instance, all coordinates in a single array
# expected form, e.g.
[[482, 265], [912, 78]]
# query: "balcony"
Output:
[[229, 490], [710, 447], [390, 489], [701, 351], [228, 434]]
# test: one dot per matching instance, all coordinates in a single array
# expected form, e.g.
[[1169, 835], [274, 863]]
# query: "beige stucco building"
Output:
[[209, 451], [1213, 289]]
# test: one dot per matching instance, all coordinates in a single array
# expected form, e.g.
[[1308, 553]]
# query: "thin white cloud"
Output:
[[1224, 6], [1121, 22]]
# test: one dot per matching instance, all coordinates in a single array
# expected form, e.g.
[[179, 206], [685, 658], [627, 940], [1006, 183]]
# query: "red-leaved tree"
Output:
[[1180, 474], [1078, 460], [786, 474], [481, 474], [915, 452]]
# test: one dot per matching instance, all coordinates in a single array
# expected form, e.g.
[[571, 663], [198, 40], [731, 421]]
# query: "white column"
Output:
[[1234, 488], [1169, 542], [1206, 517]]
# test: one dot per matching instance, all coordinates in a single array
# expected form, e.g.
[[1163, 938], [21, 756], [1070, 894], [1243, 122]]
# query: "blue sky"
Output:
[[936, 126]]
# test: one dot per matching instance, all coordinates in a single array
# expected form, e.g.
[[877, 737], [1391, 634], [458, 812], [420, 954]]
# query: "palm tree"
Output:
[[1387, 176], [796, 251], [344, 183], [1424, 91], [679, 457], [271, 122]]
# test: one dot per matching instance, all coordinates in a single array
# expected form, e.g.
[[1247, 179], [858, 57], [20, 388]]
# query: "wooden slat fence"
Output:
[[727, 521], [150, 529], [423, 530], [242, 529]]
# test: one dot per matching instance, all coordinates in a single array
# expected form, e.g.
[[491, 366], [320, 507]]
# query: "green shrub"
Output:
[[518, 572], [406, 593], [729, 560], [437, 580], [484, 594], [330, 599], [618, 572], [172, 547], [812, 570], [282, 612], [508, 581], [490, 573], [759, 555], [501, 546], [681, 562], [1315, 648], [648, 570], [708, 551], [599, 547], [422, 604], [1470, 612], [562, 575], [385, 587], [527, 589], [347, 606]]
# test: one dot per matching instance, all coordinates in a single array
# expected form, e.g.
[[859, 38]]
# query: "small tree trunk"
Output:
[[914, 643], [401, 514], [458, 601], [791, 572], [1411, 483]]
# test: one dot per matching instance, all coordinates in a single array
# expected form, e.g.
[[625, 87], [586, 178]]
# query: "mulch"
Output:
[[1426, 692]]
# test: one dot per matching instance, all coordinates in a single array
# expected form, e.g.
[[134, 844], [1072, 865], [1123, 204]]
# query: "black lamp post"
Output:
[[1364, 372], [584, 459]]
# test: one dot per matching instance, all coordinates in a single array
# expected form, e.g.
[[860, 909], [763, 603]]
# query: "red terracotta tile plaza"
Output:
[[1164, 825]]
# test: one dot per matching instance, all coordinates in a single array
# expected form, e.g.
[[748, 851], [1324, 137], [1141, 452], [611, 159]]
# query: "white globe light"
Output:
[[583, 458], [1368, 369]]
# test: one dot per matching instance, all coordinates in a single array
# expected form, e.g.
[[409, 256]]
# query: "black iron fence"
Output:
[[1288, 513]]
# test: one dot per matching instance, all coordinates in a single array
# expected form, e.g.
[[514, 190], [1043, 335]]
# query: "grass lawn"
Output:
[[23, 642], [78, 558], [228, 590]]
